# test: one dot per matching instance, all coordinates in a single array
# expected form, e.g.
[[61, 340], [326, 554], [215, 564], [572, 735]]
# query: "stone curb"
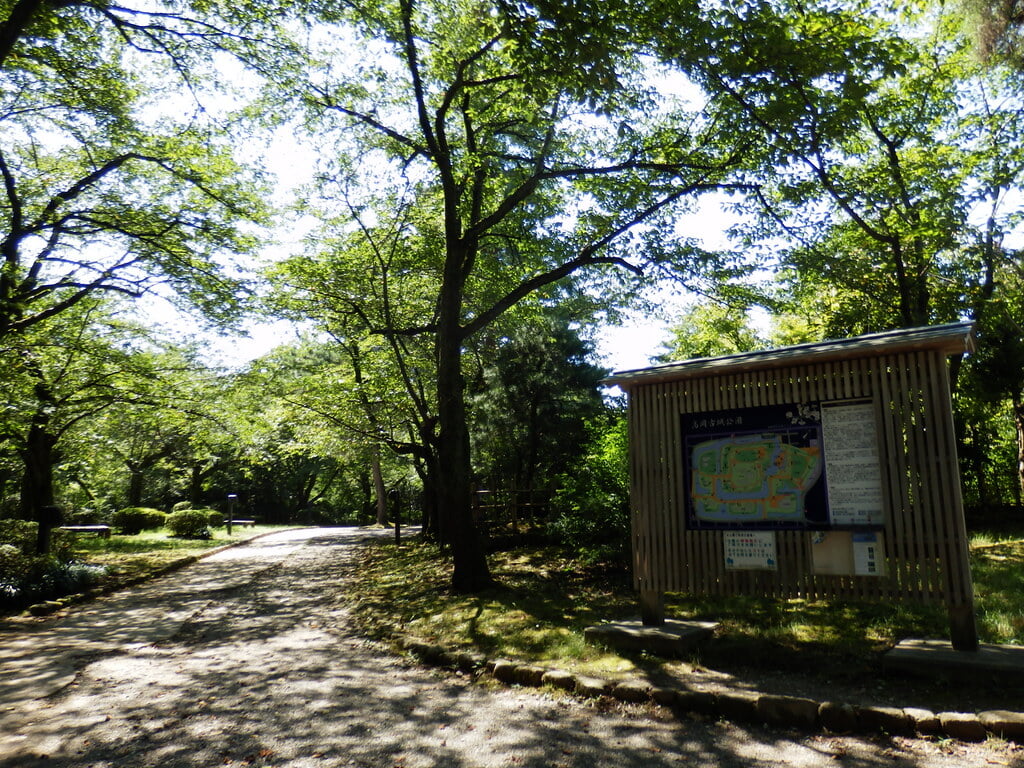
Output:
[[48, 607], [738, 706]]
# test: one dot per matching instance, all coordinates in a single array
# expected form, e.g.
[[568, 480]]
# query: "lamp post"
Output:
[[231, 510]]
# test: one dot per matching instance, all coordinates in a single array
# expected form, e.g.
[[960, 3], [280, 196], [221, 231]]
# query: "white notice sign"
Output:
[[750, 550], [868, 555], [852, 474]]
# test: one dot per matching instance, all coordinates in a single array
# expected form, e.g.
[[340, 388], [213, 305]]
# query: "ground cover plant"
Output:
[[128, 558], [85, 563], [547, 599]]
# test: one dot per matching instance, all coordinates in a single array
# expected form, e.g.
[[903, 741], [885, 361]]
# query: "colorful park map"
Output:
[[753, 478]]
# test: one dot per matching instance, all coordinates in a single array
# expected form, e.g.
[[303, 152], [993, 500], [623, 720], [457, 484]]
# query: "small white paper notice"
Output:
[[750, 551], [852, 473], [868, 554]]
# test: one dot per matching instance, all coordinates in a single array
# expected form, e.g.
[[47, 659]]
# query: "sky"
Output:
[[620, 348], [628, 346]]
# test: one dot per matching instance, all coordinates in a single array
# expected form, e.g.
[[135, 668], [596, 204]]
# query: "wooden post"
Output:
[[963, 630], [396, 513], [652, 607]]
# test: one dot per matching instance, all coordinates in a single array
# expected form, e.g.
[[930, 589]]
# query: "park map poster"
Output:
[[811, 465]]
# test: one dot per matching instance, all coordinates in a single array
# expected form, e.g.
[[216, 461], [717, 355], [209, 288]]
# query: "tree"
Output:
[[300, 442], [109, 186], [358, 285], [531, 408], [105, 188], [535, 151], [996, 373], [890, 165], [61, 374], [711, 329], [996, 26], [862, 170]]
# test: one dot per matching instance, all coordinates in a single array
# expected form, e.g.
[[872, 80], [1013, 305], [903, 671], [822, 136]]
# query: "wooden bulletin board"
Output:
[[840, 456]]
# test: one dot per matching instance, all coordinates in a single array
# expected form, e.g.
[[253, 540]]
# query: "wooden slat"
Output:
[[925, 555], [949, 474], [894, 383]]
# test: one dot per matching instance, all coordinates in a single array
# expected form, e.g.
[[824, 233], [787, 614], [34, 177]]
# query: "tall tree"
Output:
[[891, 166], [106, 187], [533, 403], [62, 373], [997, 27], [862, 171], [535, 146]]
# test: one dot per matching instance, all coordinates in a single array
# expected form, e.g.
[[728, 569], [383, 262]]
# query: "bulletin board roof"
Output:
[[950, 339]]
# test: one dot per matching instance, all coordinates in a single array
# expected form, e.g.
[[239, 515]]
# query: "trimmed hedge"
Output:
[[133, 520], [190, 524], [214, 519]]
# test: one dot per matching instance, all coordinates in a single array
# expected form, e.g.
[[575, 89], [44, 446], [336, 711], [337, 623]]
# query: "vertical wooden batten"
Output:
[[905, 375]]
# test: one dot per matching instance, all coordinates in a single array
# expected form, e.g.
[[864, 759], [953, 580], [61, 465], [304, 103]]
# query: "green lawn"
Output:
[[128, 558], [546, 600]]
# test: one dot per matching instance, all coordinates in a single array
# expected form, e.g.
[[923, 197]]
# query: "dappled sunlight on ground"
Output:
[[263, 670]]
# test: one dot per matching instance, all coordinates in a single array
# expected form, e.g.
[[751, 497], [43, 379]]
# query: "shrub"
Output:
[[68, 578], [214, 519], [180, 505], [133, 520], [21, 534], [591, 509], [62, 545], [26, 579], [14, 569], [189, 524], [85, 517]]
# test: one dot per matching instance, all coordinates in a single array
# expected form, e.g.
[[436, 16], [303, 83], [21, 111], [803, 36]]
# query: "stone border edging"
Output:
[[741, 706], [48, 607]]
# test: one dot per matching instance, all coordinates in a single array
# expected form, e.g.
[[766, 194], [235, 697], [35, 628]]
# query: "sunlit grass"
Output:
[[997, 564], [546, 600], [132, 557]]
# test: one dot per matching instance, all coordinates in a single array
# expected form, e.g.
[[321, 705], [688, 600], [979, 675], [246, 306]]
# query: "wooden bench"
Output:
[[243, 522], [103, 531]]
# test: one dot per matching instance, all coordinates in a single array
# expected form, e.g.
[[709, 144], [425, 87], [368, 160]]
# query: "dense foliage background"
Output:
[[488, 184]]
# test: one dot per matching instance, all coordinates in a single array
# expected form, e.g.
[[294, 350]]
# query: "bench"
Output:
[[243, 522], [103, 531]]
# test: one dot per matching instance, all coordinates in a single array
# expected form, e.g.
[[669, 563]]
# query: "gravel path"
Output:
[[247, 659]]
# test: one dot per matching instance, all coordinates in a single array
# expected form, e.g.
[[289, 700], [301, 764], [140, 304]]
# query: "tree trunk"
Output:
[[426, 470], [134, 484], [1018, 421], [378, 489], [365, 483], [470, 570], [18, 20], [37, 482], [197, 475]]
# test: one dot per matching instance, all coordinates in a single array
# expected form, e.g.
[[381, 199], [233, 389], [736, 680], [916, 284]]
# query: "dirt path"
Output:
[[246, 659]]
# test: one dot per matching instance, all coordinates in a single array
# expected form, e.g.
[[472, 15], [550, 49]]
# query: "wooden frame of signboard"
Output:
[[914, 548]]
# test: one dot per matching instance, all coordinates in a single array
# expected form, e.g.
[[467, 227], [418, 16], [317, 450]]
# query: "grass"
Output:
[[539, 612], [128, 558], [546, 599], [997, 564]]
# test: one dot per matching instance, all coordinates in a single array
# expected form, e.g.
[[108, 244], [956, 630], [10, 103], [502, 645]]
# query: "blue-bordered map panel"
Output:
[[755, 468]]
